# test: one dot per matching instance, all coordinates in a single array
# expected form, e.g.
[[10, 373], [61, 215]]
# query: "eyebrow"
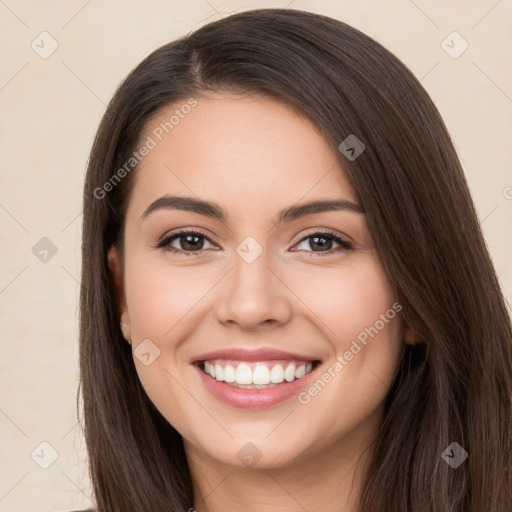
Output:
[[211, 209]]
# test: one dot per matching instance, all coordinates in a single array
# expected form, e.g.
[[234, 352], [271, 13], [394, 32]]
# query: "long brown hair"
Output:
[[454, 386]]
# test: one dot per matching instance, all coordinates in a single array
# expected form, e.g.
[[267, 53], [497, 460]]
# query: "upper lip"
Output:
[[243, 354]]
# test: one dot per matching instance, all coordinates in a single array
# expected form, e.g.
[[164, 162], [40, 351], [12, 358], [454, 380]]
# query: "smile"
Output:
[[256, 375], [255, 384]]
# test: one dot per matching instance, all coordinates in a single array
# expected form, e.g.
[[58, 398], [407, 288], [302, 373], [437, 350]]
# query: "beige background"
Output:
[[50, 109]]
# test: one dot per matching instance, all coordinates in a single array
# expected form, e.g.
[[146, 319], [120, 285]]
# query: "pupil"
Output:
[[191, 245], [321, 245]]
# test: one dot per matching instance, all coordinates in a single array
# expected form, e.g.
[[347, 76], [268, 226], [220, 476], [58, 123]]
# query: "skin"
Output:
[[254, 157]]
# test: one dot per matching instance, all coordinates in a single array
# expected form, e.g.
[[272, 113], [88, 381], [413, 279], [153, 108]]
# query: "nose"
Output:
[[253, 295]]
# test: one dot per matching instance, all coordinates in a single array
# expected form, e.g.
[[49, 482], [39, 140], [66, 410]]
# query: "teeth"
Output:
[[263, 375], [243, 374], [300, 371], [289, 373], [277, 374], [229, 373], [219, 372]]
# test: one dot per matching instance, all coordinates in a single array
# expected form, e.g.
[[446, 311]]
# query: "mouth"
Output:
[[255, 384], [256, 374]]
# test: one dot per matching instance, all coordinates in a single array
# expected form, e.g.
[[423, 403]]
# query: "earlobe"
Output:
[[125, 326]]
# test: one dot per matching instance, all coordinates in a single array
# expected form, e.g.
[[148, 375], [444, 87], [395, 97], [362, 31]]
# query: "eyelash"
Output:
[[164, 242]]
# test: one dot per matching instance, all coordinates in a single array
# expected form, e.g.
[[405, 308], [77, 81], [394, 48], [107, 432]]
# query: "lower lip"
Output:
[[254, 398]]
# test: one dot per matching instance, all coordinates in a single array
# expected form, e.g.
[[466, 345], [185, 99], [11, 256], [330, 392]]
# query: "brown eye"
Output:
[[189, 241], [323, 241]]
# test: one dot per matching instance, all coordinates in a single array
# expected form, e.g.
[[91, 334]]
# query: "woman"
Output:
[[287, 301]]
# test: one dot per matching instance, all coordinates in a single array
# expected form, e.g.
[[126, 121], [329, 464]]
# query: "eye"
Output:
[[324, 240], [189, 241]]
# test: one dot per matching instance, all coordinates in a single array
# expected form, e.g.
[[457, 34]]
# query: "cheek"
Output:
[[359, 316], [160, 296], [348, 300], [165, 302], [357, 311]]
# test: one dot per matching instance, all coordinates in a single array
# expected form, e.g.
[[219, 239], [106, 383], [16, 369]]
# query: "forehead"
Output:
[[245, 150]]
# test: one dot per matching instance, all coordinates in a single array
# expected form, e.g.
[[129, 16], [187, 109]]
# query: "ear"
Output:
[[116, 269]]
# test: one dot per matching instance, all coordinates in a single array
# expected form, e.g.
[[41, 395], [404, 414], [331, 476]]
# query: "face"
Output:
[[262, 298]]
